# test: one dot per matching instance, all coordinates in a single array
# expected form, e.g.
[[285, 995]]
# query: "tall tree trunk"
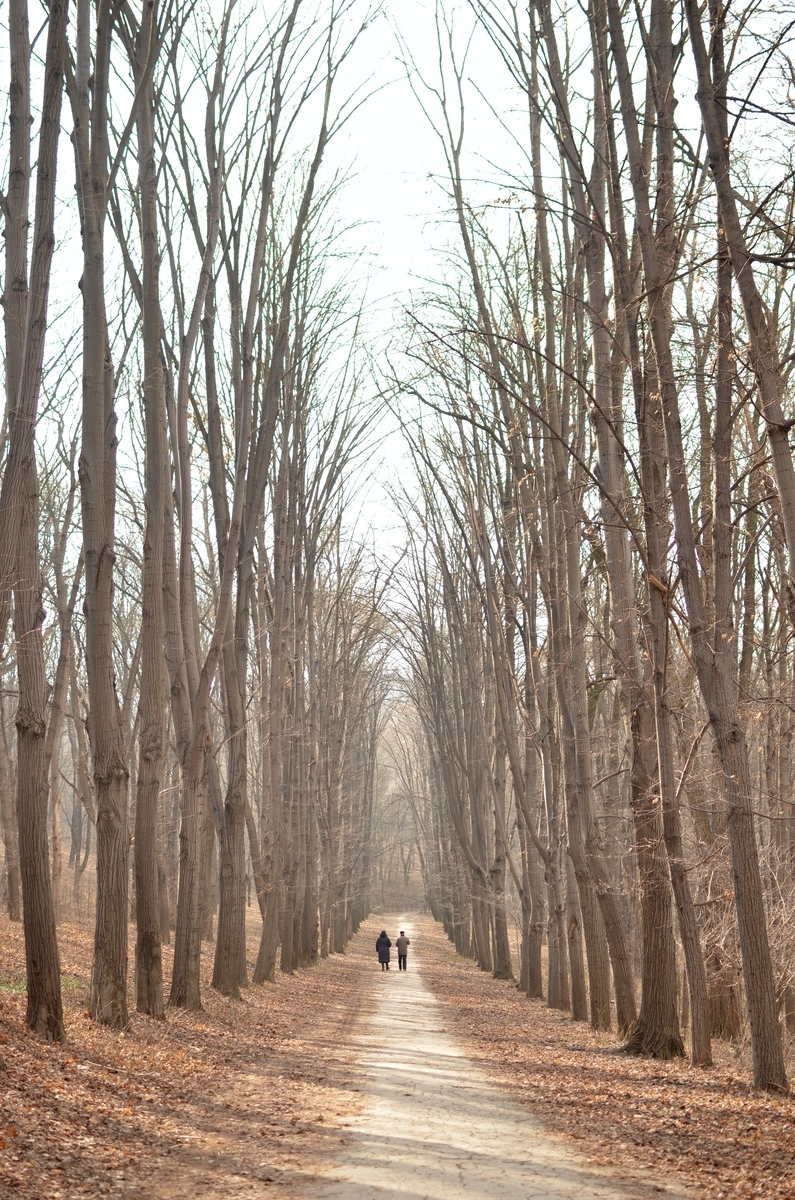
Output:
[[586, 224], [44, 1008], [97, 471], [148, 957], [653, 478], [190, 687], [15, 305]]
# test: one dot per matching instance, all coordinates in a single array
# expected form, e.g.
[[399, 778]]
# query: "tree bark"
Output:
[[44, 1008], [148, 956]]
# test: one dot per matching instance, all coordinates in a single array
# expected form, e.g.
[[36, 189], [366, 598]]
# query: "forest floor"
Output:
[[234, 1101], [303, 1083], [706, 1132]]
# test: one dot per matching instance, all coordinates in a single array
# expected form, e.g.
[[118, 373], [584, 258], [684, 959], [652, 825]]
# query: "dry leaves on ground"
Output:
[[708, 1128], [240, 1095], [256, 1093]]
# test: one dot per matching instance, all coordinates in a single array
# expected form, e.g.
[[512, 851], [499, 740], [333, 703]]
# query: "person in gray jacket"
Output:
[[402, 944]]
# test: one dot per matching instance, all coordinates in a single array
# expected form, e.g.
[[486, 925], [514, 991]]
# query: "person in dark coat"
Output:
[[382, 946]]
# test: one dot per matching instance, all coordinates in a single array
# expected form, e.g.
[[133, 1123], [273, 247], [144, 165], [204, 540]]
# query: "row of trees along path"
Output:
[[567, 696]]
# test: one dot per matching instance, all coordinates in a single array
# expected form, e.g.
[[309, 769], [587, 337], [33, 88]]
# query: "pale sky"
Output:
[[399, 190]]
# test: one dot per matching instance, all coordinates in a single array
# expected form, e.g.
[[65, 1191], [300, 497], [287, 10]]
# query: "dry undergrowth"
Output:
[[709, 1129], [220, 1102], [250, 1095]]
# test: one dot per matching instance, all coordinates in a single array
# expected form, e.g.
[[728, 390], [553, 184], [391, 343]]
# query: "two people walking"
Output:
[[383, 945]]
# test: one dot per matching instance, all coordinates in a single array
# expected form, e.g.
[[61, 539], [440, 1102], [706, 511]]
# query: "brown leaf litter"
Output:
[[254, 1094], [708, 1130], [219, 1102]]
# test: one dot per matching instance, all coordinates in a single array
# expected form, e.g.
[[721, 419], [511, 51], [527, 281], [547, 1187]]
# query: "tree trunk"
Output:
[[97, 471], [44, 1008], [8, 817], [148, 957], [229, 972]]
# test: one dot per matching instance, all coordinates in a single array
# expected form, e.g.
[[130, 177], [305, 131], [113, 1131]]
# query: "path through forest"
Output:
[[341, 1082], [434, 1127]]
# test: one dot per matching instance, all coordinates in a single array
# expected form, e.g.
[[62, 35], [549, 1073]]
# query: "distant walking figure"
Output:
[[382, 946], [402, 944]]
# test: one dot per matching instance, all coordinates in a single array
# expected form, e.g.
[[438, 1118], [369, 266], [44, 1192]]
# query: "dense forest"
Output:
[[552, 697]]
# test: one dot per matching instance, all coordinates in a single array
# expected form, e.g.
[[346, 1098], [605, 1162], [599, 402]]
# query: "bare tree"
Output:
[[19, 501]]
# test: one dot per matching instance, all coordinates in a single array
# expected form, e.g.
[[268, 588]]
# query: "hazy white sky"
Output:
[[399, 186], [399, 191], [393, 151]]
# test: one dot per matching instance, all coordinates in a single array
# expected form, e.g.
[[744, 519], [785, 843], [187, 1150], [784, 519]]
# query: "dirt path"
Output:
[[434, 1127]]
